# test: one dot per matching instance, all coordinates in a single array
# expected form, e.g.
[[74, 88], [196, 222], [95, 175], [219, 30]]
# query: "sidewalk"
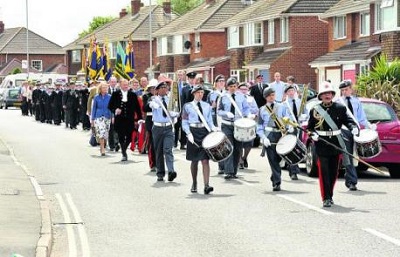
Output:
[[22, 213]]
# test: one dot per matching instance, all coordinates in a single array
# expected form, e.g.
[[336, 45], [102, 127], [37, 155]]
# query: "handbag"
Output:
[[93, 140]]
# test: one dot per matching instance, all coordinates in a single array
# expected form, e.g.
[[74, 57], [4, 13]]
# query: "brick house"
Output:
[[358, 32], [192, 42], [44, 55], [277, 36], [134, 25]]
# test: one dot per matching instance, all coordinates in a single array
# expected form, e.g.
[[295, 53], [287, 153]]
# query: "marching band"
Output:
[[222, 126]]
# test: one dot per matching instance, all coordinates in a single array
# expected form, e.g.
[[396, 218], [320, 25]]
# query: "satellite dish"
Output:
[[187, 44]]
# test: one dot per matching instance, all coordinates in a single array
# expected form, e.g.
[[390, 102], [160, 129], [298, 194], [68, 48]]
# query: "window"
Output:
[[241, 36], [170, 45], [197, 42], [159, 46], [385, 16], [364, 26], [339, 27], [184, 39], [112, 50], [254, 33], [37, 64], [76, 55], [284, 30], [239, 74], [271, 32]]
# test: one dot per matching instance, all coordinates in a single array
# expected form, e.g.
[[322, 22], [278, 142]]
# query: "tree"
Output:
[[97, 22], [182, 6]]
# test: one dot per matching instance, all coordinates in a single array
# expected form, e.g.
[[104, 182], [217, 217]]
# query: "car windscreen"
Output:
[[13, 93], [377, 112]]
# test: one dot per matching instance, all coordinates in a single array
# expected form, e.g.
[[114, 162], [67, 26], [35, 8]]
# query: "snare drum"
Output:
[[290, 148], [244, 129], [368, 144], [217, 146]]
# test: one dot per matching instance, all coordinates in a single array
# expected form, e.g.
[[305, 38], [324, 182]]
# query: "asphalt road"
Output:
[[102, 207]]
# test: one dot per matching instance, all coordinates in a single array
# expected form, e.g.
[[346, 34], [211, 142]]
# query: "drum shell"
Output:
[[221, 150], [244, 130], [367, 144], [290, 148]]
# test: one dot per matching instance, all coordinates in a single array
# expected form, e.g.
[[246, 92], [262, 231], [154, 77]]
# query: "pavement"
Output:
[[25, 224]]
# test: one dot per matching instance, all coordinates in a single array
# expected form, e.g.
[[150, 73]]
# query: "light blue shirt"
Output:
[[279, 90], [289, 104], [358, 110], [264, 119], [212, 97], [158, 113], [252, 104], [190, 116], [225, 106]]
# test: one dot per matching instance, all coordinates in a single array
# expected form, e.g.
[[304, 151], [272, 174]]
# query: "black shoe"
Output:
[[352, 187], [153, 169], [124, 158], [276, 188], [117, 148], [171, 176], [221, 172], [160, 179], [245, 164], [331, 201], [183, 148], [208, 189], [103, 154], [294, 177], [194, 188], [326, 203], [228, 176], [241, 166]]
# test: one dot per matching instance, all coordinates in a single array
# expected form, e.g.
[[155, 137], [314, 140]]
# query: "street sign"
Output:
[[24, 64]]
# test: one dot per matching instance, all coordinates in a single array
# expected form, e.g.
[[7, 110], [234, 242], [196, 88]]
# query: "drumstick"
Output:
[[288, 121]]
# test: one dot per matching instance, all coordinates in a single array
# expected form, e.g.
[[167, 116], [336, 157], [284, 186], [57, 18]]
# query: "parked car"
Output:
[[10, 97], [388, 128], [311, 93]]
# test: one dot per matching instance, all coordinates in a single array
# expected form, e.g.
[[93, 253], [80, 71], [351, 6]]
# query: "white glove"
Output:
[[372, 126], [266, 142], [154, 105], [290, 129], [251, 116], [355, 131], [314, 136], [230, 115], [173, 114], [303, 117], [190, 138], [140, 121], [215, 129]]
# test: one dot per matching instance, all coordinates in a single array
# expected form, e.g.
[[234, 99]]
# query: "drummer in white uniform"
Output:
[[197, 123], [233, 106], [356, 111]]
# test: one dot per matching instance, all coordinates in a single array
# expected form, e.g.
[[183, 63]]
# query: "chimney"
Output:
[[135, 7], [1, 27], [122, 13], [167, 7], [210, 1]]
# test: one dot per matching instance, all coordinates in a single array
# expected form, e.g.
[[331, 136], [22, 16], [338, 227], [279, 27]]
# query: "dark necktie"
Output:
[[295, 109], [349, 104], [165, 105], [200, 109], [260, 87], [232, 106]]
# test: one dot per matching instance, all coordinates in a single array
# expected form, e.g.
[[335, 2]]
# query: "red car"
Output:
[[388, 128]]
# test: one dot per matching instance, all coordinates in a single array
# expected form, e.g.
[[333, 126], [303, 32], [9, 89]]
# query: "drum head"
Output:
[[213, 139], [366, 135], [245, 123], [286, 144]]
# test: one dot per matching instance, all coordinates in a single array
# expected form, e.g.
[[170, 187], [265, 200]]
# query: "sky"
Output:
[[59, 21]]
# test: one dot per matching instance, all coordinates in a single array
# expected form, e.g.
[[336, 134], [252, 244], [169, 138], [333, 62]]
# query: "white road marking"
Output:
[[309, 206], [36, 186], [383, 236], [81, 227], [70, 232]]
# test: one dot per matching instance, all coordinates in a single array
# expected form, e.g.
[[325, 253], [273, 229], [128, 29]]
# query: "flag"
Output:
[[120, 62], [94, 59], [130, 60], [106, 70]]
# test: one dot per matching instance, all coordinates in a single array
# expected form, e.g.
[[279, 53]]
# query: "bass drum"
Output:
[[368, 144], [244, 129], [217, 146], [290, 148]]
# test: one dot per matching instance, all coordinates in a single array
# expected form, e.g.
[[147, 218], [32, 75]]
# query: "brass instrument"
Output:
[[303, 99], [278, 122], [174, 98]]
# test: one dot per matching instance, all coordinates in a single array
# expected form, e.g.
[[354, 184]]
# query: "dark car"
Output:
[[311, 93], [388, 128], [10, 97]]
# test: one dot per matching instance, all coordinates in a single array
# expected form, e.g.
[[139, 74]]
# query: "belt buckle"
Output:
[[329, 133]]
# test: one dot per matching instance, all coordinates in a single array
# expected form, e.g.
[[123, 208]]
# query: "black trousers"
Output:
[[328, 172]]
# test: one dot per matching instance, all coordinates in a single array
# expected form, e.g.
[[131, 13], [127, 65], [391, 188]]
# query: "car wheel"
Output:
[[394, 170], [311, 161]]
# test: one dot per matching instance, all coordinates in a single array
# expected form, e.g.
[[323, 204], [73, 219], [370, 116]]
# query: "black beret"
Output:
[[197, 88], [268, 91], [191, 75], [231, 81], [259, 75], [219, 77], [288, 87], [344, 83], [161, 84], [244, 84]]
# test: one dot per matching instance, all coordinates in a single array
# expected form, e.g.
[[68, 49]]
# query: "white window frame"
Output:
[[76, 55], [37, 64], [197, 43], [159, 46], [339, 27], [365, 20], [184, 39], [284, 29], [112, 50], [271, 32], [254, 34], [240, 74], [170, 45], [386, 16]]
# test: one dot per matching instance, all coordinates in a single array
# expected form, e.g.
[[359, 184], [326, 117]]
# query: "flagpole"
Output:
[[27, 40], [151, 44]]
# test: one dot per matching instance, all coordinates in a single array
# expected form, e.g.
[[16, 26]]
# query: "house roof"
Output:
[[13, 41], [271, 9], [205, 17], [347, 6], [200, 63], [121, 28], [268, 57], [11, 65], [352, 53]]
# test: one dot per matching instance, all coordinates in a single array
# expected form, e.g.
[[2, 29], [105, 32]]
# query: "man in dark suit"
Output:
[[185, 98], [257, 92], [124, 105]]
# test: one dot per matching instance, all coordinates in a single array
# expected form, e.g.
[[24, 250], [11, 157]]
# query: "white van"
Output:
[[15, 80]]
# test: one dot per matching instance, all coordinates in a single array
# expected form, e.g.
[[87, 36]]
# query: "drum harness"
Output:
[[278, 123], [157, 98]]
